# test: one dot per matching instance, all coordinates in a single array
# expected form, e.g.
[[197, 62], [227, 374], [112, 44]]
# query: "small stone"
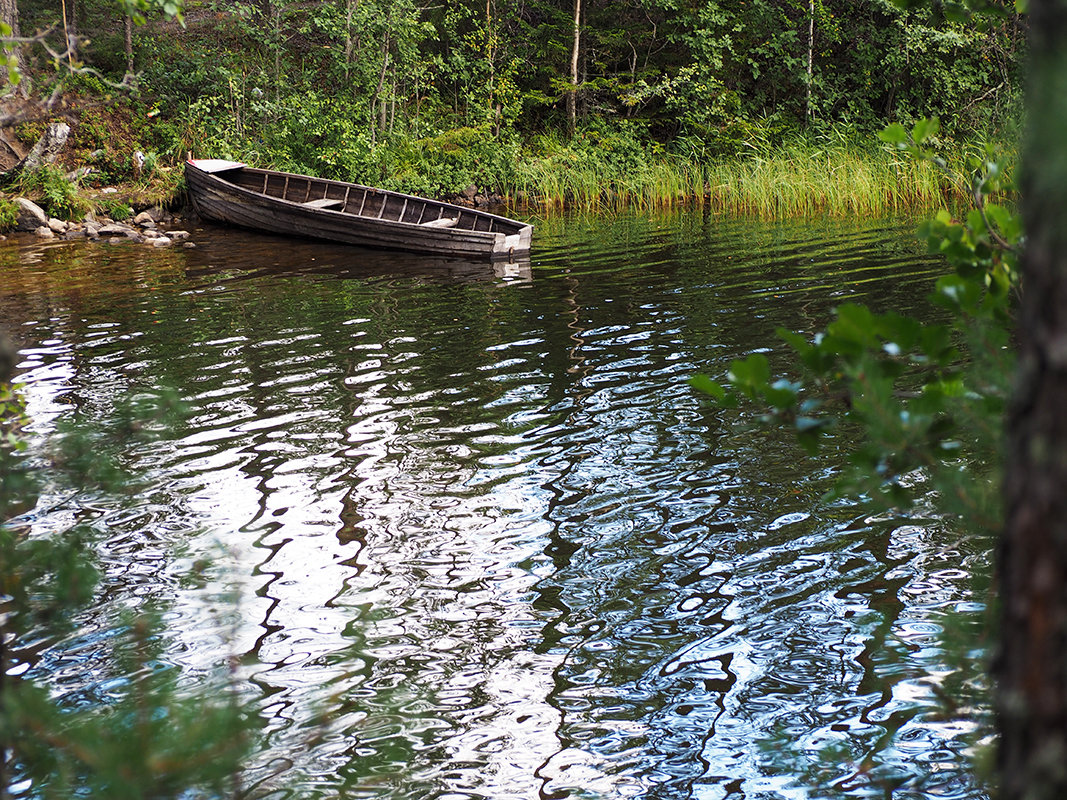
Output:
[[116, 228], [178, 234], [162, 241], [189, 245], [115, 240], [109, 190], [57, 225], [144, 219], [44, 232]]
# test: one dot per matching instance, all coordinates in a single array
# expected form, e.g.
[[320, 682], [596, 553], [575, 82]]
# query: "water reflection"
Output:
[[481, 525]]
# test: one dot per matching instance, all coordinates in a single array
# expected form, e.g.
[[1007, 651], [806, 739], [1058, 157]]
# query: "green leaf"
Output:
[[702, 383], [925, 129], [782, 394], [958, 293], [895, 135], [795, 340], [854, 325], [752, 371]]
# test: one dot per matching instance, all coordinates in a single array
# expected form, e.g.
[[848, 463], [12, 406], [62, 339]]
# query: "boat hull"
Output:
[[298, 205]]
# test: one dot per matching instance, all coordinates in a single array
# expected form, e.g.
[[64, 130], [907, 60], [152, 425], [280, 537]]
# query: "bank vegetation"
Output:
[[751, 108]]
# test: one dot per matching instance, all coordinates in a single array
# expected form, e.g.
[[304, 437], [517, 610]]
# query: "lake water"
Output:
[[477, 520]]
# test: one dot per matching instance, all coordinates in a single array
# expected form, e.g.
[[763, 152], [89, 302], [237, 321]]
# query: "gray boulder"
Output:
[[31, 216]]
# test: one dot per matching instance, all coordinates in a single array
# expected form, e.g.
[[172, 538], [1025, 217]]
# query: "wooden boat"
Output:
[[298, 205]]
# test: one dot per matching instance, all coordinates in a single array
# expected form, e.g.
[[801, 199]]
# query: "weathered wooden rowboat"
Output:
[[298, 205]]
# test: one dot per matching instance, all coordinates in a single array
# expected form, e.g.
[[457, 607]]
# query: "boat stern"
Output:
[[515, 244]]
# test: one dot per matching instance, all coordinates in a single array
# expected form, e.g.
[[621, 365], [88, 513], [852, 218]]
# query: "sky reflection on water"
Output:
[[481, 524]]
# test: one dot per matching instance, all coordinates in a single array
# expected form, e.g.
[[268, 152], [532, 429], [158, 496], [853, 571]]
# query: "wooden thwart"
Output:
[[444, 222], [325, 202]]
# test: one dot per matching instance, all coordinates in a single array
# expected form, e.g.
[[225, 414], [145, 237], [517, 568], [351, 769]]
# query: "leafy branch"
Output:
[[922, 395]]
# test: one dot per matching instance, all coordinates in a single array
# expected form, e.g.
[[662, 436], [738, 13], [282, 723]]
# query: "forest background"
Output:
[[766, 107]]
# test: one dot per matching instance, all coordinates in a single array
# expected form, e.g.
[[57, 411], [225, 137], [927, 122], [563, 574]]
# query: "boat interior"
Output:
[[365, 202]]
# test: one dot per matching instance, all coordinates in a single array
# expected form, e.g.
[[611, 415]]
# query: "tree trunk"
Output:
[[811, 55], [9, 15], [68, 37], [129, 45], [350, 7], [572, 95], [1031, 665]]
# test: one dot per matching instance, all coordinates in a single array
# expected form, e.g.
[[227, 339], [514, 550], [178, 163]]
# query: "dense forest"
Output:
[[554, 97]]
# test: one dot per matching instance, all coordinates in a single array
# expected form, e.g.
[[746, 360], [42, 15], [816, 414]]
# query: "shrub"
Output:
[[9, 214], [59, 196], [115, 209]]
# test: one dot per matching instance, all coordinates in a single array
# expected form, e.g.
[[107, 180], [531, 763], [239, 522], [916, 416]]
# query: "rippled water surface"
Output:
[[478, 520]]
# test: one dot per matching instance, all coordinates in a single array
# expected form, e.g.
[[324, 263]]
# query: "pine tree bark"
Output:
[[1031, 666]]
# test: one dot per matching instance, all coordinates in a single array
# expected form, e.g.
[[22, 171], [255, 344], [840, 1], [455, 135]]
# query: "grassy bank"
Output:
[[796, 180], [836, 172]]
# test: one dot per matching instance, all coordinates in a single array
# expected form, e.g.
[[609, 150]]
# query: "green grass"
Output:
[[798, 181], [791, 180]]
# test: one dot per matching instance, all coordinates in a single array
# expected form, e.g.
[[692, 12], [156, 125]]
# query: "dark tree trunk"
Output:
[[1031, 667]]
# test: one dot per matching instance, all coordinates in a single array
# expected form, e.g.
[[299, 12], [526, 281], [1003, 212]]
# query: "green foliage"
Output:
[[448, 163], [58, 196], [8, 57], [922, 402], [928, 398], [153, 739], [155, 735], [9, 213], [140, 10], [115, 209], [248, 74], [673, 97]]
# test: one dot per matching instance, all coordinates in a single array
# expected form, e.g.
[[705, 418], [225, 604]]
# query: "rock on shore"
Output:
[[152, 227]]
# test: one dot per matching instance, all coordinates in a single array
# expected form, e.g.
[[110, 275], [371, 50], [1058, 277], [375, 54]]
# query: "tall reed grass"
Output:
[[791, 180]]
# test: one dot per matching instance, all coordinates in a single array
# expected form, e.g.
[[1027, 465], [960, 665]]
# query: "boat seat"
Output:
[[443, 222], [325, 202]]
